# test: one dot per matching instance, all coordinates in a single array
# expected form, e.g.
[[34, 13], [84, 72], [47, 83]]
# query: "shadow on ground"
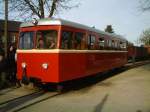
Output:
[[100, 106], [88, 82]]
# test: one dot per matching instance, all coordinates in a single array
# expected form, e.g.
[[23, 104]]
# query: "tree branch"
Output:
[[53, 8], [41, 8], [32, 8]]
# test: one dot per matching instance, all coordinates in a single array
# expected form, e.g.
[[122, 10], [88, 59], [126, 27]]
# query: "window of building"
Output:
[[66, 40], [14, 38]]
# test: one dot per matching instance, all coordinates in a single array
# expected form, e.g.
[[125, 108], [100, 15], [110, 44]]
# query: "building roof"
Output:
[[52, 21], [13, 26]]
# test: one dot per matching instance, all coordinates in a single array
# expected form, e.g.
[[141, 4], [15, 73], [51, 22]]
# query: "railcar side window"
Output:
[[91, 41], [110, 43], [123, 45], [101, 43], [79, 41], [113, 44], [26, 40], [46, 39], [66, 42], [116, 44]]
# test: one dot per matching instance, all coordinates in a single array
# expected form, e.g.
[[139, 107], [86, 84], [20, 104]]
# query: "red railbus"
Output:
[[56, 50]]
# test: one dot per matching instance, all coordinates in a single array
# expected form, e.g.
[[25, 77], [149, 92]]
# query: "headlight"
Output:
[[45, 65], [23, 65]]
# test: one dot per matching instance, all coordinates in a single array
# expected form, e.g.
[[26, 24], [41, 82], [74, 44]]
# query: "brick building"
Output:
[[13, 30]]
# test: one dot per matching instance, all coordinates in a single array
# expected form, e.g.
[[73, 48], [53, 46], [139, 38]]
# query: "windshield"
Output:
[[26, 40], [46, 39]]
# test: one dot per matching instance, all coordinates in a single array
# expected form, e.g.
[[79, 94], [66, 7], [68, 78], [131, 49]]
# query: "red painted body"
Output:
[[34, 66], [77, 65], [138, 52], [68, 66], [131, 52]]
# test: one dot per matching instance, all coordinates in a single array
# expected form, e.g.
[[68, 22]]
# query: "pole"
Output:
[[3, 74], [6, 26]]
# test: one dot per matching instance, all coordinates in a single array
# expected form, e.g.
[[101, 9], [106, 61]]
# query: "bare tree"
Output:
[[145, 5], [109, 29], [145, 37], [39, 8]]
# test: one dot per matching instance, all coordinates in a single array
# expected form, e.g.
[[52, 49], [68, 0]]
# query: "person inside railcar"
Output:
[[51, 43], [47, 39], [66, 44], [40, 43], [83, 43], [91, 42], [79, 40], [51, 39], [78, 43], [67, 41]]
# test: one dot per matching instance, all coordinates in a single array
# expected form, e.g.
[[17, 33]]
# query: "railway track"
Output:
[[22, 101], [44, 97], [14, 93], [132, 65], [19, 97], [16, 99]]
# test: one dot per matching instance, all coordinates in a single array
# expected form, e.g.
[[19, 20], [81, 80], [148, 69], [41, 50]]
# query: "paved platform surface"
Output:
[[128, 91]]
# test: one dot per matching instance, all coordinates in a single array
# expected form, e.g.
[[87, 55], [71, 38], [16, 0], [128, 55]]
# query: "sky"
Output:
[[124, 16]]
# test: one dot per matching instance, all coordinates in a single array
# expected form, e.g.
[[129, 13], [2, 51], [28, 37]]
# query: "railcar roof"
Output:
[[52, 21]]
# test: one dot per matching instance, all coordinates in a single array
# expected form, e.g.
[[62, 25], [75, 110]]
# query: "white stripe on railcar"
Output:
[[69, 51]]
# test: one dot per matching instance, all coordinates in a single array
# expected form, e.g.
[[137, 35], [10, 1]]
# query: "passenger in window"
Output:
[[83, 43], [52, 43], [101, 43], [77, 45], [40, 43], [78, 39], [65, 44]]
